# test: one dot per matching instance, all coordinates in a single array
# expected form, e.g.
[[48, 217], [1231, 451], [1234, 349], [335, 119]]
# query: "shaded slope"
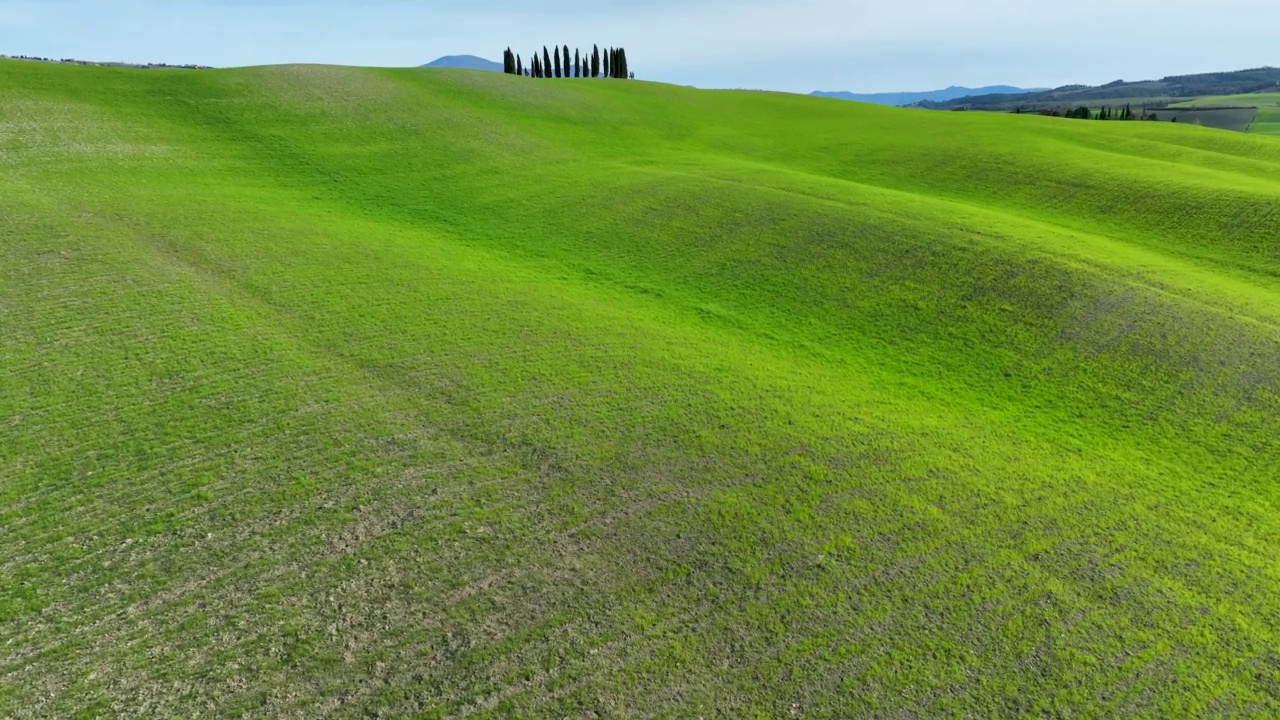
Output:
[[349, 390]]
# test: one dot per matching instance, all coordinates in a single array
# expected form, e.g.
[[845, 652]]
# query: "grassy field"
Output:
[[1257, 100], [403, 393], [1267, 121], [1233, 119]]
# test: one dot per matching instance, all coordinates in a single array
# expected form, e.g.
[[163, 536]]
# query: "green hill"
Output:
[[353, 392]]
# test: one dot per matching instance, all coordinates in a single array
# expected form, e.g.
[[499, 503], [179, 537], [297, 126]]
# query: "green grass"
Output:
[[353, 392], [1267, 122]]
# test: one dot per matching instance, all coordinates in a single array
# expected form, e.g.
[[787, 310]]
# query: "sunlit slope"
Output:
[[339, 391]]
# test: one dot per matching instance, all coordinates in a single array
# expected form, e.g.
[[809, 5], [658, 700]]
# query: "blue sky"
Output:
[[799, 45]]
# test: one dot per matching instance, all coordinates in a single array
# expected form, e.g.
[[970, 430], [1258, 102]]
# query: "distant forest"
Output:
[[549, 64], [1146, 93]]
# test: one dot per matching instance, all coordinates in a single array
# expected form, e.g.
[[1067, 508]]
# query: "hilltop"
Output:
[[356, 392]]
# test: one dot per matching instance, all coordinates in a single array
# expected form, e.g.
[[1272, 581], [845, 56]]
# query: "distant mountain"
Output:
[[465, 62], [1146, 93], [937, 96]]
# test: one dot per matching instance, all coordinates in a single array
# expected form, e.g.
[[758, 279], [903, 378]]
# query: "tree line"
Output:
[[612, 63], [1104, 113]]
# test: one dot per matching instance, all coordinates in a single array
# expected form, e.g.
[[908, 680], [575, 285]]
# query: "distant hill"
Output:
[[938, 96], [1155, 92], [465, 62]]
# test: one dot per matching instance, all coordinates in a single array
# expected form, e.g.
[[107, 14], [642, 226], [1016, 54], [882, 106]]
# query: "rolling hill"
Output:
[[350, 392]]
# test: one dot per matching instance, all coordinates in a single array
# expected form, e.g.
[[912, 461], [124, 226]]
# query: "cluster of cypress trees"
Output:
[[612, 63]]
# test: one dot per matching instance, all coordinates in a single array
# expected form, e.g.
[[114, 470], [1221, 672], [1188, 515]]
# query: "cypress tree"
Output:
[[622, 56], [566, 60], [595, 61], [557, 61], [519, 66], [577, 64], [546, 62], [605, 60]]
